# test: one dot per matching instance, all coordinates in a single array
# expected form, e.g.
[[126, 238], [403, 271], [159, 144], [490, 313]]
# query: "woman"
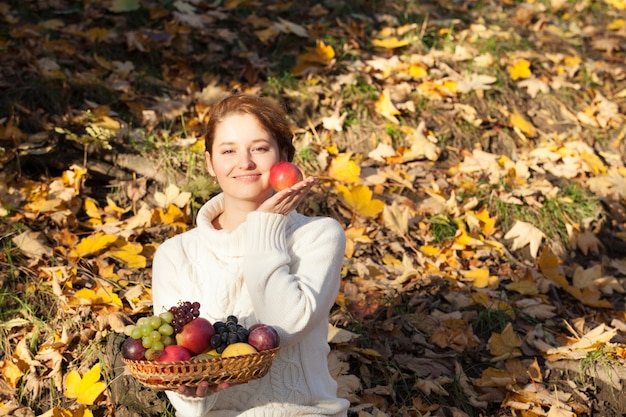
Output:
[[253, 256]]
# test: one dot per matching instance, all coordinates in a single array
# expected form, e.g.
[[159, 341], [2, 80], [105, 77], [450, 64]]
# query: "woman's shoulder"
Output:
[[178, 240]]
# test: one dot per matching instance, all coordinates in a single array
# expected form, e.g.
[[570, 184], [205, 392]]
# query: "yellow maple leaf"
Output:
[[418, 70], [390, 43], [321, 55], [463, 240], [520, 69], [92, 209], [113, 210], [87, 389], [173, 216], [437, 89], [481, 278], [359, 199], [488, 223], [430, 250], [343, 168], [45, 205], [594, 163], [73, 177], [520, 123], [98, 296], [332, 149], [355, 235], [617, 24], [450, 85], [11, 373], [386, 108], [92, 244], [618, 4], [129, 253]]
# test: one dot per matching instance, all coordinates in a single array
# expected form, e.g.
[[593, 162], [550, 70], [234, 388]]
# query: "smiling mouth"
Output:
[[248, 177]]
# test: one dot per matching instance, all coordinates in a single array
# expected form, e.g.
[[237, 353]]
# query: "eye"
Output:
[[261, 149]]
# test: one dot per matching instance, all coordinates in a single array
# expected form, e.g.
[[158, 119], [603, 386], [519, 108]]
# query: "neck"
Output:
[[234, 214]]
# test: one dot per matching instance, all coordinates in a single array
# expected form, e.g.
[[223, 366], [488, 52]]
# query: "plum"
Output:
[[263, 337], [133, 349]]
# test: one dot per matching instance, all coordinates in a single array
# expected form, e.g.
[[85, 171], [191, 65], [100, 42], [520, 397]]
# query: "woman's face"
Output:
[[243, 153]]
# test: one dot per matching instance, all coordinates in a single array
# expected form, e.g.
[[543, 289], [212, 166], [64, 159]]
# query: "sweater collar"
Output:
[[227, 242]]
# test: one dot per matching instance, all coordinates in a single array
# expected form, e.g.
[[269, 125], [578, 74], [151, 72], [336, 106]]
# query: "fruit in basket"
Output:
[[228, 332], [206, 355], [172, 353], [283, 175], [183, 313], [196, 335], [133, 349], [237, 349], [263, 337]]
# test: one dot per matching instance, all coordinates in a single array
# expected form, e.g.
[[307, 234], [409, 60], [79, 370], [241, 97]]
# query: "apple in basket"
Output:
[[172, 353], [196, 335]]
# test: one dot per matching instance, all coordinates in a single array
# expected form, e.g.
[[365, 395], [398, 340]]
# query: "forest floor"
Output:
[[473, 151]]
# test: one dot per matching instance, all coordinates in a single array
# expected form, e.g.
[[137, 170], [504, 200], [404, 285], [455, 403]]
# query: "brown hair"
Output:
[[271, 116]]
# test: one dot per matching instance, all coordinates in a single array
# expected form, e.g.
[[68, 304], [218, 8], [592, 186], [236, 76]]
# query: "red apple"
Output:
[[263, 337], [196, 336], [172, 353], [283, 175], [133, 349]]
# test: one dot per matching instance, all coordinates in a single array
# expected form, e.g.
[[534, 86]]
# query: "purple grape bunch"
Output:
[[184, 312]]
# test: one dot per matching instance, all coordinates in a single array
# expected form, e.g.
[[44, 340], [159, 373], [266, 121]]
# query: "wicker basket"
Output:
[[231, 370]]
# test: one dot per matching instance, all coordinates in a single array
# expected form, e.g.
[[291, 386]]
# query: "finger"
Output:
[[306, 183], [203, 389], [222, 386]]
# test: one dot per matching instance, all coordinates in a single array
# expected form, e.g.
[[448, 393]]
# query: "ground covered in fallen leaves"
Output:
[[473, 151]]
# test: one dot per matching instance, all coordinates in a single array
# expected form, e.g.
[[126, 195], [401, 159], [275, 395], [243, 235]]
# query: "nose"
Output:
[[246, 161]]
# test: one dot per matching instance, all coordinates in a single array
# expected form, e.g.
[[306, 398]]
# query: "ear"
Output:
[[209, 165]]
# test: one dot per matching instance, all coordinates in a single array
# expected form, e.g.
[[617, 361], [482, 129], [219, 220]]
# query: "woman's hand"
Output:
[[202, 390], [285, 201]]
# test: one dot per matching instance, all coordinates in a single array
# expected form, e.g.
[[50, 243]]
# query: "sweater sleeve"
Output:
[[293, 278], [166, 292]]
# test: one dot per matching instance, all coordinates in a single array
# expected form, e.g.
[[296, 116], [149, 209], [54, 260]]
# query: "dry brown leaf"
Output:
[[505, 345], [591, 341], [587, 242], [396, 217], [525, 234], [32, 244], [433, 386]]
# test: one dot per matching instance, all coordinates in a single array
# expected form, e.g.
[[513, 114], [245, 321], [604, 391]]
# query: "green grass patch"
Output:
[[489, 321], [442, 228], [571, 206]]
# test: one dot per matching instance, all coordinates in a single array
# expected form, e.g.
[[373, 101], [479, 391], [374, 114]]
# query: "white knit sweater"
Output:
[[274, 269]]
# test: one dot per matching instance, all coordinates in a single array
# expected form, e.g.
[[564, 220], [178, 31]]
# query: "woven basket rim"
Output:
[[231, 370], [267, 352]]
